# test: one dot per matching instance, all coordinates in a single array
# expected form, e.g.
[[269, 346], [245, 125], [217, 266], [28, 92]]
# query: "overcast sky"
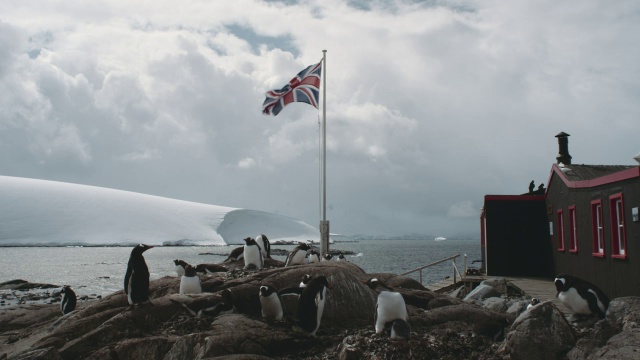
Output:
[[430, 104]]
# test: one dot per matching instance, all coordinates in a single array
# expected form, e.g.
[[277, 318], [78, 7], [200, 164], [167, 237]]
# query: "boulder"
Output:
[[500, 284], [540, 333], [498, 304], [482, 292]]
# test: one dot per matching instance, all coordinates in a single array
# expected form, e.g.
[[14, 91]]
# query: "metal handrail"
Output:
[[452, 258]]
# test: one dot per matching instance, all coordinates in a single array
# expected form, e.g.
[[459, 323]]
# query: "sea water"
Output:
[[100, 270]]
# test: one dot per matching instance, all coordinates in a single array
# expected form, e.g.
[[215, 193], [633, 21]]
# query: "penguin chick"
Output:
[[68, 301], [236, 254], [534, 302], [327, 257], [270, 303], [190, 282], [136, 279]]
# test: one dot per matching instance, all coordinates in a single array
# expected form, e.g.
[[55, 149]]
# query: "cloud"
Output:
[[430, 106]]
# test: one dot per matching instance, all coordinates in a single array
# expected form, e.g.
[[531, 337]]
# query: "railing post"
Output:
[[421, 277], [465, 265], [453, 264]]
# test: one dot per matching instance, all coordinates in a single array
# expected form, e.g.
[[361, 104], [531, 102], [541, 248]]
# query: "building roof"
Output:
[[590, 172], [587, 176]]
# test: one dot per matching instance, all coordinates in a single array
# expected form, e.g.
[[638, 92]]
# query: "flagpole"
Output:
[[324, 223]]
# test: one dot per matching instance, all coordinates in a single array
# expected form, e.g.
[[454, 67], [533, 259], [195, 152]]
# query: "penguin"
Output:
[[180, 266], [136, 280], [252, 254], [236, 254], [399, 329], [581, 296], [305, 280], [204, 306], [327, 257], [265, 246], [297, 255], [208, 269], [68, 301], [390, 305], [534, 302], [314, 256], [190, 282], [311, 304], [341, 257], [270, 303]]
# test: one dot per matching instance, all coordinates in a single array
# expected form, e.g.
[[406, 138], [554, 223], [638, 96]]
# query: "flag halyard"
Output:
[[304, 87]]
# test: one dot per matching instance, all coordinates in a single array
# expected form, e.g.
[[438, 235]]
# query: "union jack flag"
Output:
[[305, 87]]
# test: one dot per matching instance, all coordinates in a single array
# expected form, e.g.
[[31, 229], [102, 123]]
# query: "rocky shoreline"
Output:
[[491, 322]]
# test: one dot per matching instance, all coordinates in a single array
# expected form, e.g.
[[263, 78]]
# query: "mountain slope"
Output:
[[39, 212]]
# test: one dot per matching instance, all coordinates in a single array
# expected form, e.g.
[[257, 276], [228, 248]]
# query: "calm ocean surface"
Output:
[[100, 270]]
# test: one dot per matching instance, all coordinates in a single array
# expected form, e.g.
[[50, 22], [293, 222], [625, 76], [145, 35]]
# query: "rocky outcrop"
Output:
[[542, 332], [443, 327]]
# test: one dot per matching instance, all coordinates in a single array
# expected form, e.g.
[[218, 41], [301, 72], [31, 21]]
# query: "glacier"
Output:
[[37, 212]]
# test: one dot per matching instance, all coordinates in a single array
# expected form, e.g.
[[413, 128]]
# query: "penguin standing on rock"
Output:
[[180, 266], [297, 255], [314, 256], [265, 245], [190, 282], [581, 296], [341, 258], [311, 304], [389, 307], [68, 301], [252, 254], [327, 257], [270, 303], [136, 280], [534, 302]]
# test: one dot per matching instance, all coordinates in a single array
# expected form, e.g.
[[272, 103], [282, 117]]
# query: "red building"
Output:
[[586, 224]]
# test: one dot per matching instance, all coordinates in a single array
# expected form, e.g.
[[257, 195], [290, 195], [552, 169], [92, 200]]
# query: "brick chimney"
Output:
[[563, 149]]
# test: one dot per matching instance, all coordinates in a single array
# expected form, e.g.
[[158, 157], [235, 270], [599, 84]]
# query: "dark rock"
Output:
[[540, 333], [482, 292]]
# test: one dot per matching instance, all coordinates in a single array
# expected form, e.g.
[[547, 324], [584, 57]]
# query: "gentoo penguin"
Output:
[[314, 256], [399, 329], [265, 246], [327, 257], [136, 280], [305, 280], [180, 265], [236, 254], [534, 302], [190, 282], [297, 255], [311, 304], [581, 296], [205, 306], [390, 305], [341, 257], [207, 269], [270, 302], [252, 254], [68, 301]]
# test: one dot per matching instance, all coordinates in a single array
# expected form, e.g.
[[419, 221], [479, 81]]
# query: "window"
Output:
[[618, 237], [560, 231], [597, 228], [573, 230]]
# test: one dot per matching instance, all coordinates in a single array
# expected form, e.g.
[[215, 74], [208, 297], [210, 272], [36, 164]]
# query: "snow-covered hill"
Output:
[[39, 212]]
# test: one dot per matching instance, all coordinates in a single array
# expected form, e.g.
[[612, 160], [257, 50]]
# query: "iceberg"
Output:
[[48, 213]]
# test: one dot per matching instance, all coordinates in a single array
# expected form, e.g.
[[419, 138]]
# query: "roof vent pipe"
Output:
[[563, 149]]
